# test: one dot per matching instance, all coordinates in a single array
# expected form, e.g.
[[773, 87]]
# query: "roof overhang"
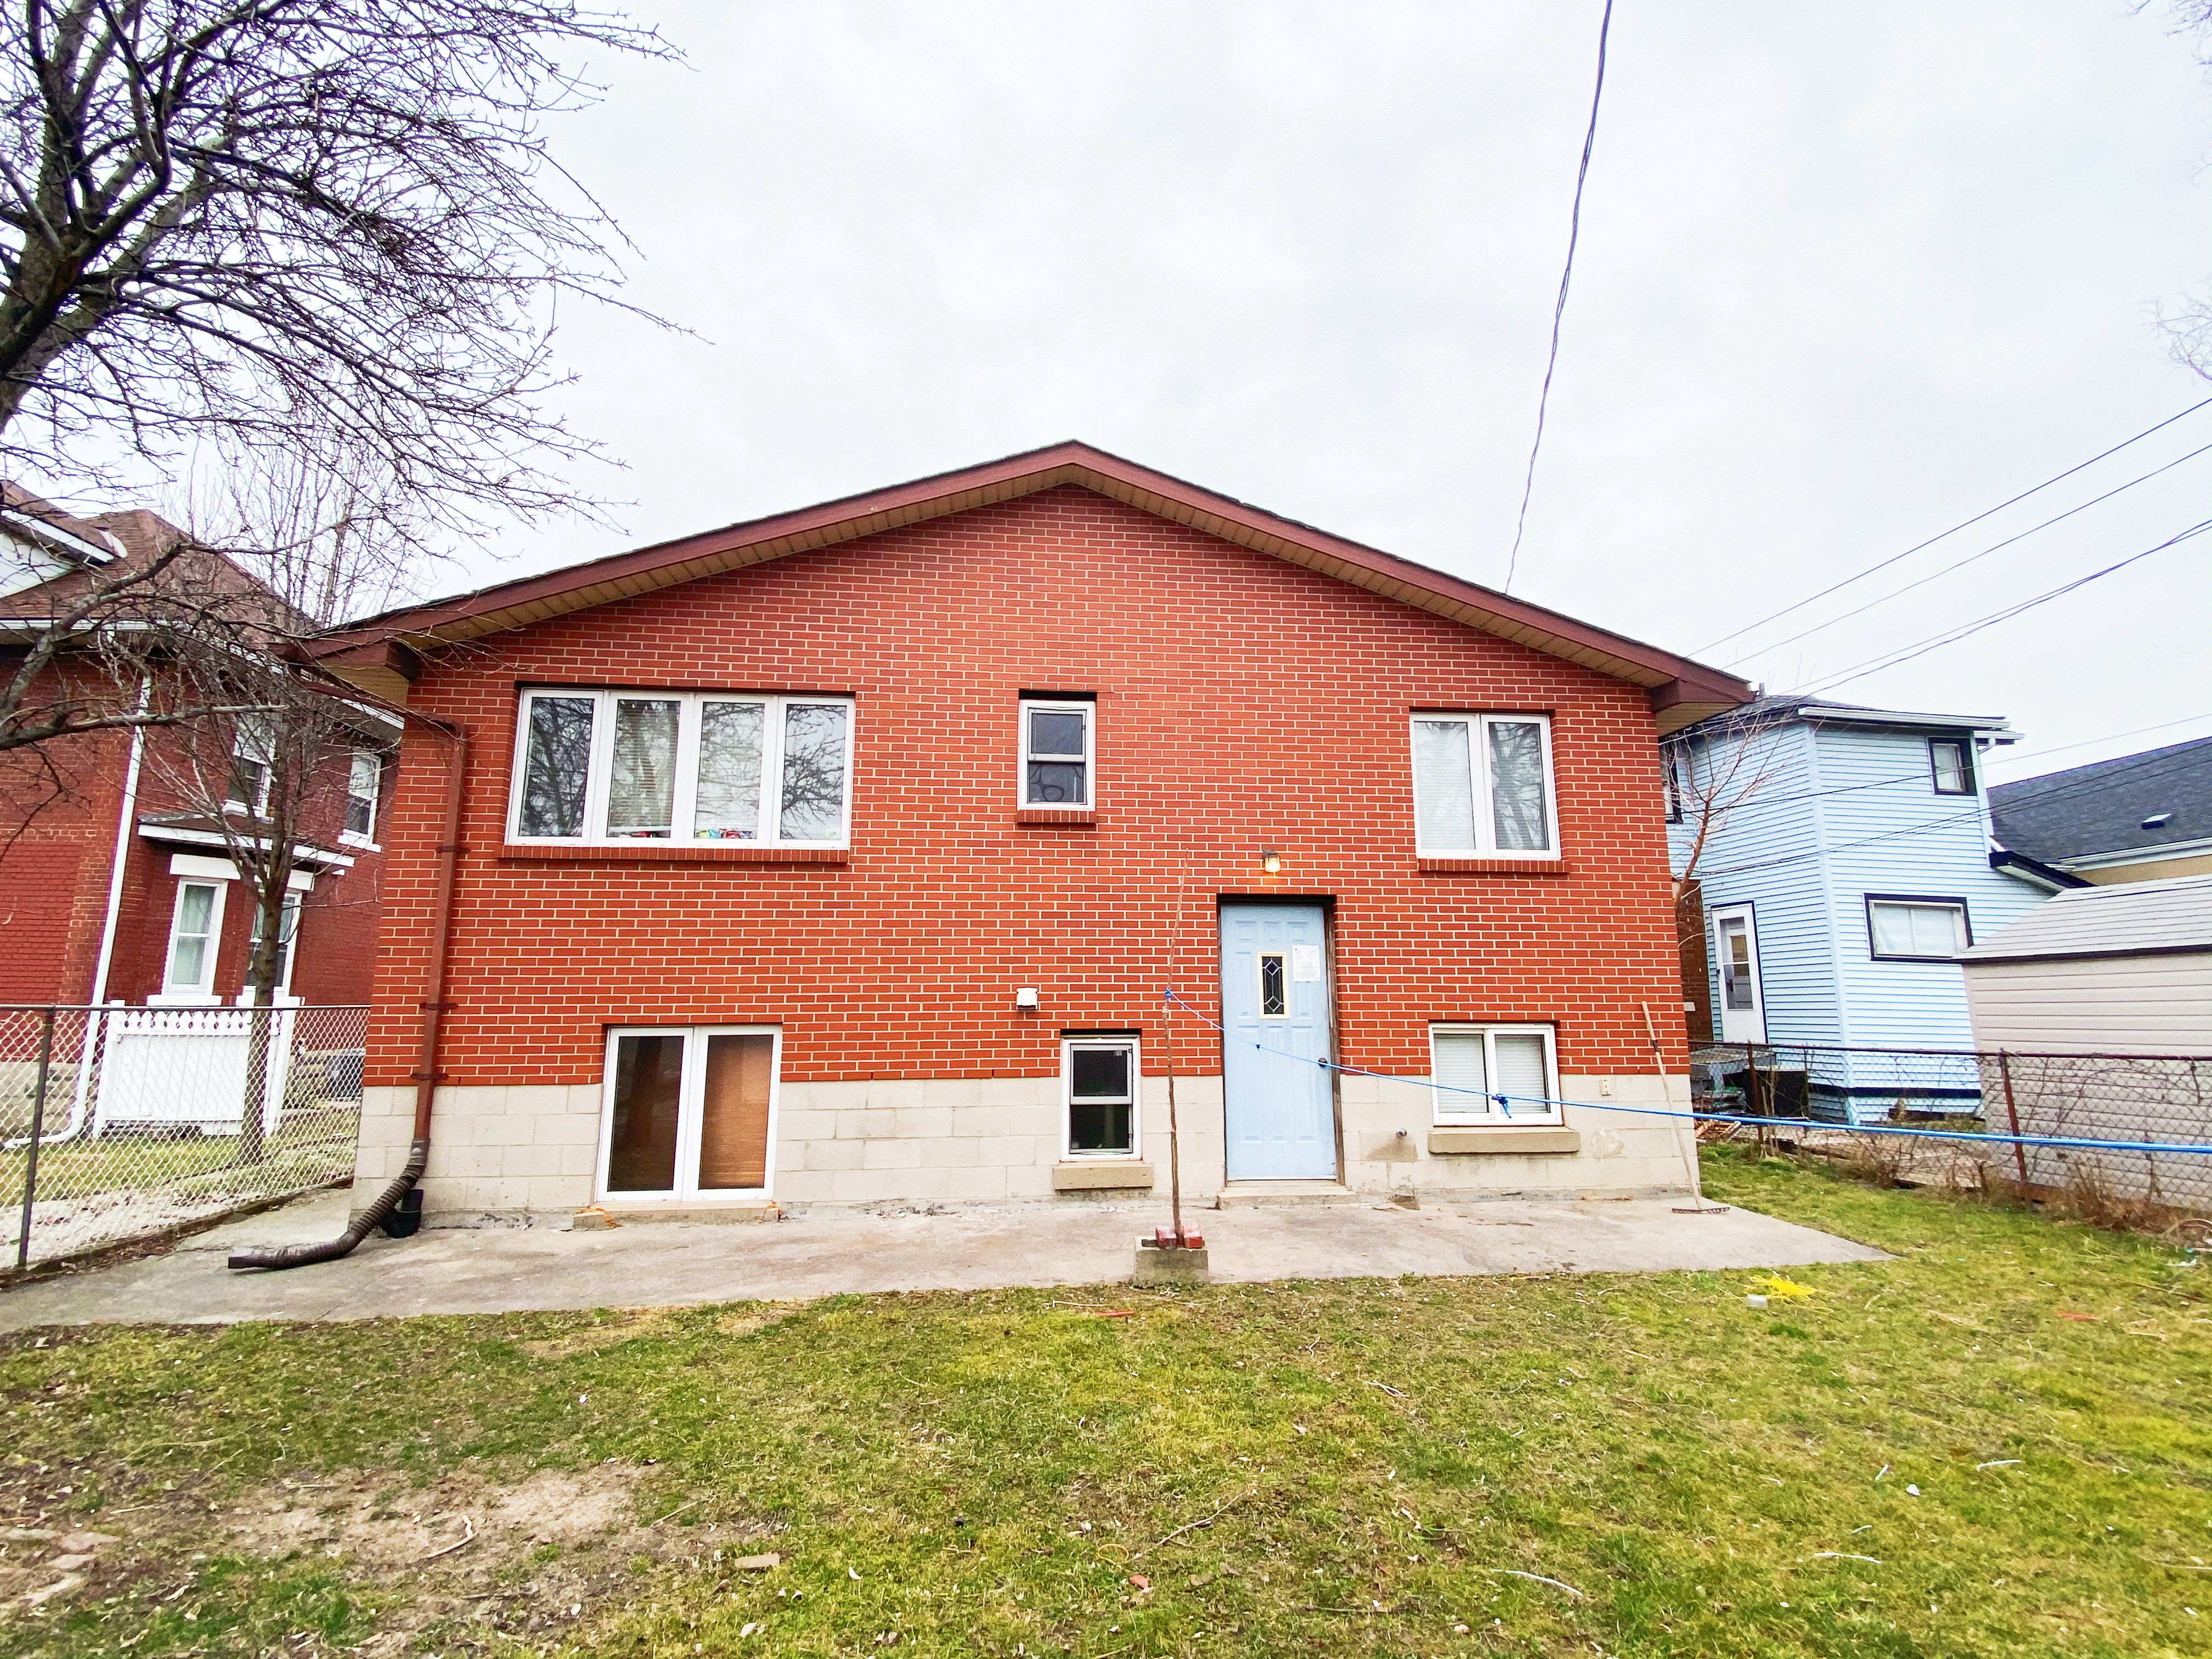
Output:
[[383, 654], [185, 834]]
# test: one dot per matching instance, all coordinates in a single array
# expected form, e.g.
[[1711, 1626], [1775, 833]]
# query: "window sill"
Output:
[[1500, 1141], [1071, 816], [1495, 866], [1102, 1174], [649, 852]]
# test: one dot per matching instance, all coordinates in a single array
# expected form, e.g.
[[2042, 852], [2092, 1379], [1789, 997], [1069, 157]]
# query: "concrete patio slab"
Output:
[[825, 1252]]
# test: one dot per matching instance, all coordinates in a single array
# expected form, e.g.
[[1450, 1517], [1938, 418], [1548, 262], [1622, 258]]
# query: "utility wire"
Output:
[[1559, 309], [2084, 743], [1961, 564], [1952, 637], [1967, 524]]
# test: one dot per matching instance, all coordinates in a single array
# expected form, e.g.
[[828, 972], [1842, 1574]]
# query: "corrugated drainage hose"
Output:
[[302, 1255]]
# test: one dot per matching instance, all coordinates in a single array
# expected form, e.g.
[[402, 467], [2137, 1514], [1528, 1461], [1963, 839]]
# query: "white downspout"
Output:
[[80, 1101]]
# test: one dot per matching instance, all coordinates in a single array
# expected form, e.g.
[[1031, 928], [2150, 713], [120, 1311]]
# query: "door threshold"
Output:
[[1254, 1195]]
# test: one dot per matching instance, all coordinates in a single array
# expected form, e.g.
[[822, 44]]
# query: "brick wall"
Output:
[[1243, 703]]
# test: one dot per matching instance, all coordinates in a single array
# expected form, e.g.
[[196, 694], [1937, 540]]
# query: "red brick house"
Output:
[[113, 889], [844, 856]]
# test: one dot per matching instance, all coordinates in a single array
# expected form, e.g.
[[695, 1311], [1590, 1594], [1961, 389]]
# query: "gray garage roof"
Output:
[[2102, 808], [2137, 918]]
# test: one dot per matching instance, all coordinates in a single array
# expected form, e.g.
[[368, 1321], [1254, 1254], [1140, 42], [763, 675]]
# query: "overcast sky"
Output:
[[1848, 276]]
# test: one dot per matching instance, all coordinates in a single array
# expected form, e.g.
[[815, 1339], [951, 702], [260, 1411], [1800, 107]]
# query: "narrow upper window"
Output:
[[252, 750], [362, 784], [1482, 786], [1922, 930], [1101, 1074], [1493, 1074], [194, 933], [1673, 789], [621, 766], [1056, 753], [1952, 762]]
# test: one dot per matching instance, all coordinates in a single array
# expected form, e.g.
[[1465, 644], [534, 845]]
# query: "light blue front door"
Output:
[[1278, 1105]]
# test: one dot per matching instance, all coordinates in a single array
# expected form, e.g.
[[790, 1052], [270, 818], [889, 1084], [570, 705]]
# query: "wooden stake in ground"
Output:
[[1175, 1141], [1697, 1204]]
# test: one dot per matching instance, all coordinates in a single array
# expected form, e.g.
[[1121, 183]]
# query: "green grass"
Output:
[[1390, 1455]]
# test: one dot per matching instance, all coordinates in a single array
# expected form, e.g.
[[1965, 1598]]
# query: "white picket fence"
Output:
[[186, 1068]]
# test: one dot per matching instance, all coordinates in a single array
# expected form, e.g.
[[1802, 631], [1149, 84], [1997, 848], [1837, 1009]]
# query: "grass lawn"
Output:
[[1995, 1444]]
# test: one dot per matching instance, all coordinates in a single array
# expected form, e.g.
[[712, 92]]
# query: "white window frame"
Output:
[[291, 910], [1089, 711], [1068, 1048], [689, 704], [1456, 1110], [686, 1191], [172, 993], [262, 753], [1962, 926], [376, 796], [1485, 817]]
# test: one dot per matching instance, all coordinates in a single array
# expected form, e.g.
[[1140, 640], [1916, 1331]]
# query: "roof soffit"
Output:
[[509, 605]]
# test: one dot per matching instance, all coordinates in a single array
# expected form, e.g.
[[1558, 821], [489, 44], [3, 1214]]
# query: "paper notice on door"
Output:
[[1305, 961]]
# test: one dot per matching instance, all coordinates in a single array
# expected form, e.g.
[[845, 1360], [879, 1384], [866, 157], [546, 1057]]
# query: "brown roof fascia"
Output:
[[1694, 691]]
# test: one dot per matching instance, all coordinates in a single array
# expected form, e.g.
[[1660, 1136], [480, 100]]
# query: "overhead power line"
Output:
[[1559, 309], [1883, 564], [1952, 637], [1898, 593], [2110, 737]]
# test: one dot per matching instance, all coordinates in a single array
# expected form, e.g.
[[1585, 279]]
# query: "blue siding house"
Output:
[[1832, 862]]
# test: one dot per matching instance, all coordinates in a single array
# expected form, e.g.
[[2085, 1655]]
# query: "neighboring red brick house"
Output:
[[110, 889], [844, 856]]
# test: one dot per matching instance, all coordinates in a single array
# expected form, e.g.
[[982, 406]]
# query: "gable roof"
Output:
[[2102, 807], [375, 653], [2137, 918]]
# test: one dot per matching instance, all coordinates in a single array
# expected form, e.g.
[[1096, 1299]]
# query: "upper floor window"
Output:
[[1674, 765], [363, 783], [619, 766], [1493, 1074], [1057, 759], [253, 751], [1952, 762], [1482, 785]]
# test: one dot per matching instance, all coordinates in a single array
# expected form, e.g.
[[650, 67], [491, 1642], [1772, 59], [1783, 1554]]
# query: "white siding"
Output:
[[1886, 830], [2154, 1005]]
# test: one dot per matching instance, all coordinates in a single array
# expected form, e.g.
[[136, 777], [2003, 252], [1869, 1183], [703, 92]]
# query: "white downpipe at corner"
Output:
[[80, 1102]]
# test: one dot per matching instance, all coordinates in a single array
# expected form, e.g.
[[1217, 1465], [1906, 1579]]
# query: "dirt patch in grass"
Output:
[[522, 1559]]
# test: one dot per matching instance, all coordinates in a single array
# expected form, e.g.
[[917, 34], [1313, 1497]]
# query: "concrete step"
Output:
[[1270, 1194]]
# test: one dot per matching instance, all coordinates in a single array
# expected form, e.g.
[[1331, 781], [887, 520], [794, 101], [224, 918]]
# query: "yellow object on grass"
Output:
[[1776, 1285]]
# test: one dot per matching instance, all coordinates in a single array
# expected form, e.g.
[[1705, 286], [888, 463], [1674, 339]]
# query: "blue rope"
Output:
[[1168, 995]]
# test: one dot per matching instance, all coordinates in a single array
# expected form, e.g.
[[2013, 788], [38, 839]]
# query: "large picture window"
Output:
[[626, 766], [1493, 1074], [1482, 786], [1917, 929]]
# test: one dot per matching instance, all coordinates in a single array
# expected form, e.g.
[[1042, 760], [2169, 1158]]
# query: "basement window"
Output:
[[1482, 786], [1100, 1075], [1493, 1074], [612, 767]]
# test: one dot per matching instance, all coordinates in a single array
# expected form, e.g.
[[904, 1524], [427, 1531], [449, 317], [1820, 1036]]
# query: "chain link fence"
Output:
[[2149, 1100], [120, 1123]]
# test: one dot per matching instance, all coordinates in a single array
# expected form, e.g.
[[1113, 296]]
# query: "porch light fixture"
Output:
[[1272, 862]]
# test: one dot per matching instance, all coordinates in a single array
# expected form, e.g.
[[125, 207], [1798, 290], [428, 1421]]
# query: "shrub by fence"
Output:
[[2150, 1100], [120, 1123]]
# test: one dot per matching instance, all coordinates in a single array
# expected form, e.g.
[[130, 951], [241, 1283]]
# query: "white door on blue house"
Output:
[[1278, 1102], [1743, 1006], [688, 1114]]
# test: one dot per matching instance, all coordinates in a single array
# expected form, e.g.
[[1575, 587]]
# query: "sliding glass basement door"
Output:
[[688, 1114]]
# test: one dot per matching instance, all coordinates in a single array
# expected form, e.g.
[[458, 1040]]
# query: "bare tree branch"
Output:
[[255, 220]]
